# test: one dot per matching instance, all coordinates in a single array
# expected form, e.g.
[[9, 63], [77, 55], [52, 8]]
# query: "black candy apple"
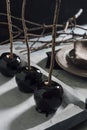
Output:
[[48, 98], [9, 62], [28, 79], [9, 65], [48, 95], [28, 76]]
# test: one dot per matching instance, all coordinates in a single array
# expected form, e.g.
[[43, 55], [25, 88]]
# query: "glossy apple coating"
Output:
[[9, 66], [48, 99], [27, 80]]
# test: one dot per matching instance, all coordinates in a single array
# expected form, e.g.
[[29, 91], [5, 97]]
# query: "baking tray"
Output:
[[20, 107]]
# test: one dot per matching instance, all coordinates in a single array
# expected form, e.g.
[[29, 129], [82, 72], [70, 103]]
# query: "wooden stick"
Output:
[[56, 14], [25, 33], [10, 27]]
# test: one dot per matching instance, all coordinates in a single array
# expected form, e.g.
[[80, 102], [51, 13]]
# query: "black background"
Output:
[[41, 11]]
